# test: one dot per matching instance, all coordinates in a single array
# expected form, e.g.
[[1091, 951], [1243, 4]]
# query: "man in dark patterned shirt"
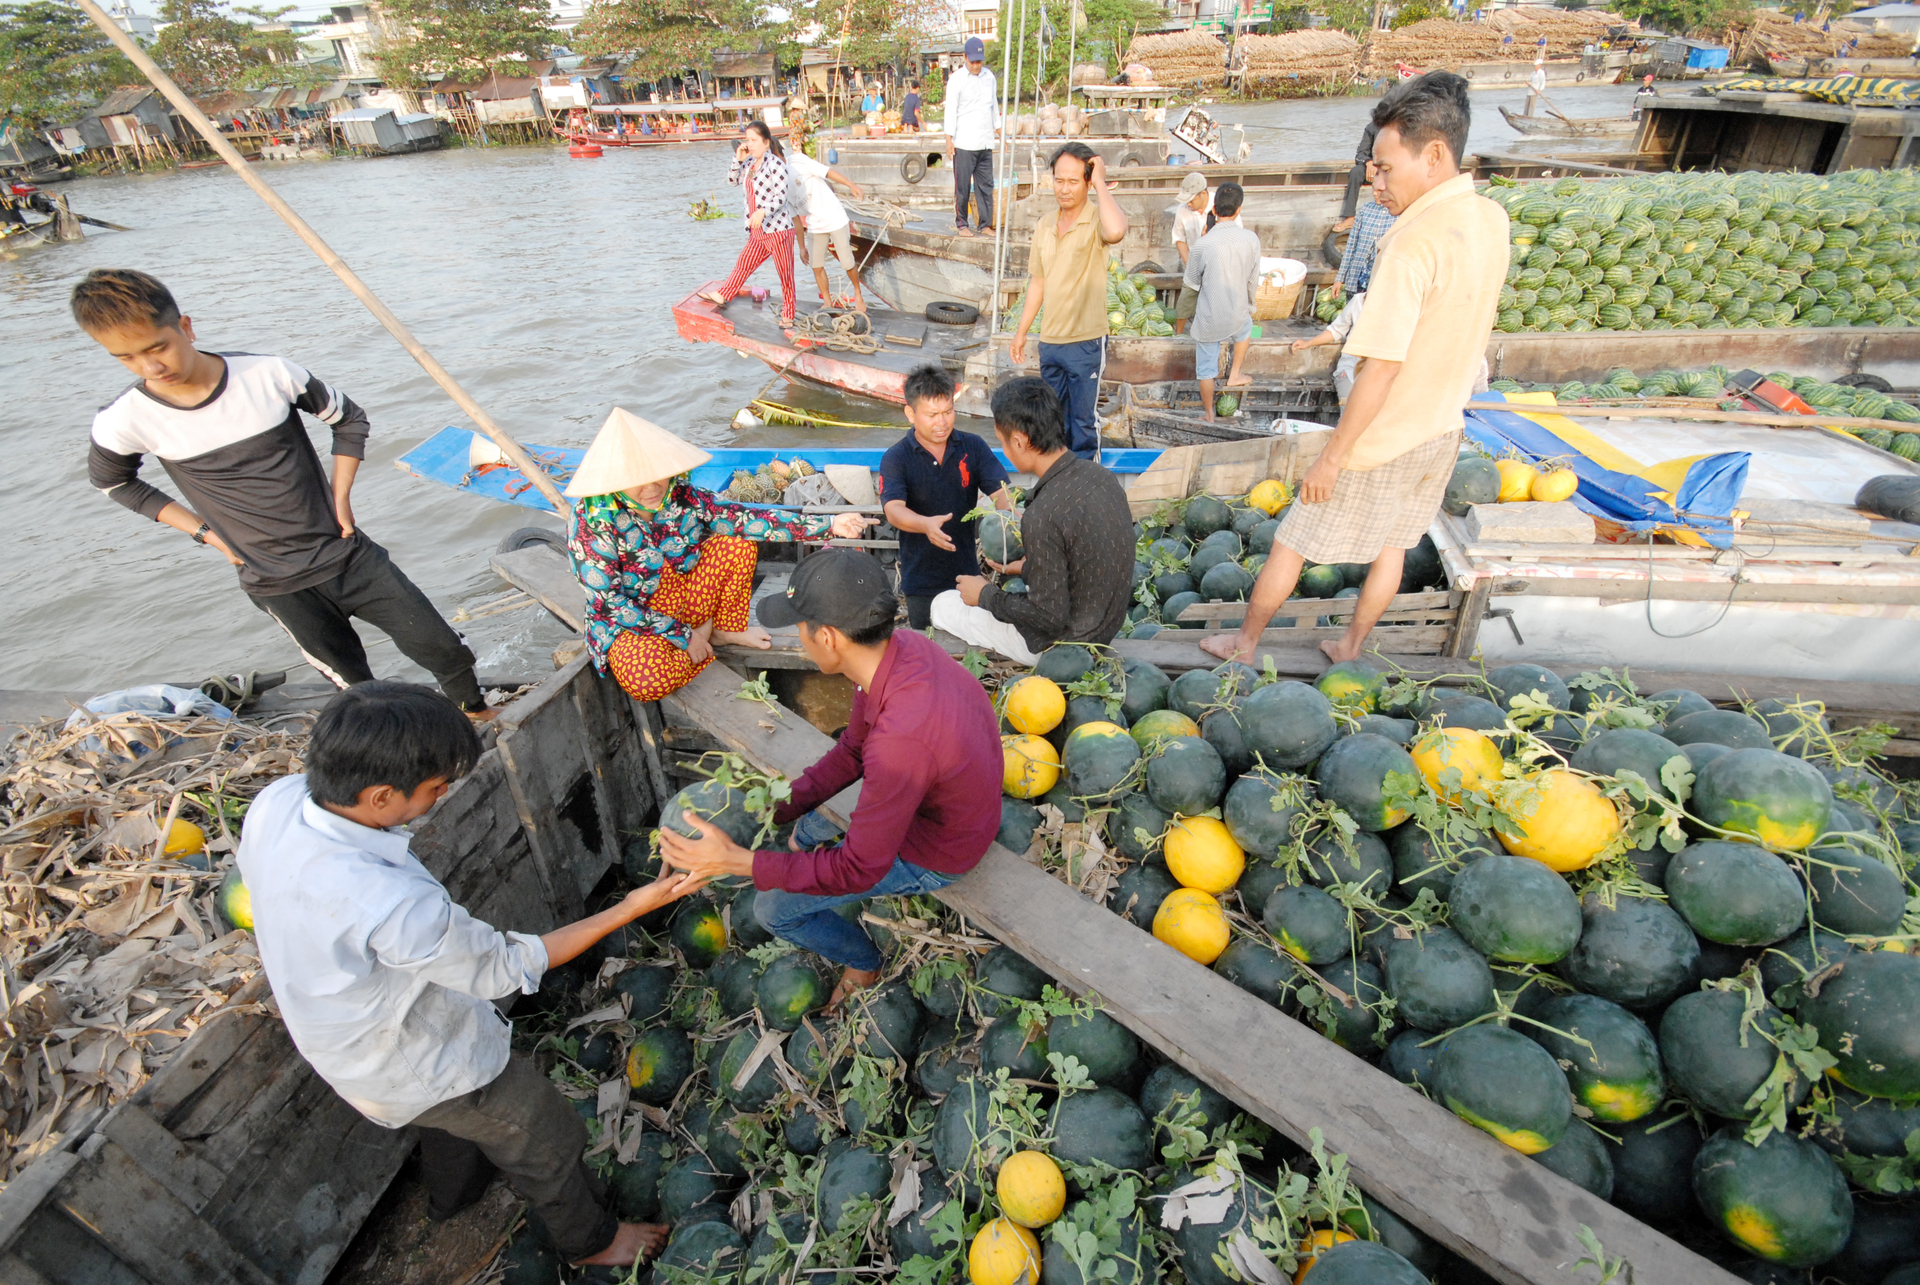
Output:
[[1077, 533]]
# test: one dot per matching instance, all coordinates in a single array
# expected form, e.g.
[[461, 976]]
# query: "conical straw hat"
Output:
[[629, 452]]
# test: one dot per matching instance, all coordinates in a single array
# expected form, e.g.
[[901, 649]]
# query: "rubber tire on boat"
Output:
[[528, 536], [1874, 382], [1331, 252], [913, 168], [948, 313]]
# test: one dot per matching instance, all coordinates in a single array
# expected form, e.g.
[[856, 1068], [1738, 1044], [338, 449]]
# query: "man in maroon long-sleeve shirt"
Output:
[[922, 738]]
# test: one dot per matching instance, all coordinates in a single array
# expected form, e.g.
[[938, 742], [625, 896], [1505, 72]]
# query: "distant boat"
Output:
[[670, 122], [1554, 125]]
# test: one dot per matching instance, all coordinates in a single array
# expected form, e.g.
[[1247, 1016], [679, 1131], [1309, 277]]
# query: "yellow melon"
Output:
[[1516, 479], [1034, 705], [1269, 497], [1317, 1244], [1030, 766], [1567, 823], [1031, 1190], [1004, 1253], [1201, 853], [1473, 755], [1555, 484], [1192, 923], [184, 838]]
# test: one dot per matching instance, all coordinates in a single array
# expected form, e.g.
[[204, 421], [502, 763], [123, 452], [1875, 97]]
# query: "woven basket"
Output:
[[1275, 303]]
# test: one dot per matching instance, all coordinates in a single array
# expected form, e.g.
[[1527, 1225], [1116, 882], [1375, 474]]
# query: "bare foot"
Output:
[[1239, 381], [853, 979], [963, 231], [1339, 649], [752, 636], [1225, 646], [713, 297], [483, 716], [632, 1243]]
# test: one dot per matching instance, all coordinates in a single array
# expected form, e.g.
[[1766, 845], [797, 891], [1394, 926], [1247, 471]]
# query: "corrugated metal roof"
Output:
[[365, 113], [413, 118], [123, 100], [1886, 11]]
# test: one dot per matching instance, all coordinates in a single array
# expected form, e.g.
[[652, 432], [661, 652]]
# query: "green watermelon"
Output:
[[1866, 1011], [1288, 724], [734, 977], [1204, 515], [635, 1186], [1356, 1024], [723, 805], [1146, 690], [699, 932], [1515, 909], [1360, 859], [658, 1063], [1099, 762], [1065, 663], [1259, 970], [998, 537], [1003, 975], [848, 1176], [1715, 1058], [1108, 1050], [1409, 1057], [911, 1237], [1475, 481], [744, 929], [689, 1186], [648, 990], [1101, 1126], [1786, 964], [1194, 693], [1317, 581], [1627, 749], [1251, 814], [1726, 727], [789, 989], [1352, 685], [1510, 681], [1019, 820], [1581, 1158], [1609, 1055], [1653, 1166], [1680, 702], [1138, 892], [887, 1021], [1125, 1259], [1854, 893], [1187, 776], [1501, 1081], [1735, 893], [1784, 1201], [1169, 1081], [1352, 774], [1226, 582], [709, 1249], [968, 1142], [1221, 729], [760, 1089], [1864, 1126], [1364, 1262], [1775, 798], [1309, 925], [1638, 953], [1437, 980], [1137, 826], [1422, 861], [234, 901]]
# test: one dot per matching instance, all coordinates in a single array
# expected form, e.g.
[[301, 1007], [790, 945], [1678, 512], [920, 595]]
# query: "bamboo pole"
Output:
[[1710, 416], [395, 327]]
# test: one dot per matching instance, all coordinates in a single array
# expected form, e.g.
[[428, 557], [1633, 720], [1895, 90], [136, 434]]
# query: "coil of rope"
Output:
[[836, 328], [888, 213]]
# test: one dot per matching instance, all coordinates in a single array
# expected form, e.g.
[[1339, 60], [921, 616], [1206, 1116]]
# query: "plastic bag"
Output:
[[160, 701]]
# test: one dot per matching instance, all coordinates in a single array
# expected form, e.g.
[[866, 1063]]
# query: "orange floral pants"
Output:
[[720, 589]]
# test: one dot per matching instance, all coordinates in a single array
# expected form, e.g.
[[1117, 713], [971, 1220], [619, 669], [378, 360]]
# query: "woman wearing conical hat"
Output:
[[667, 566]]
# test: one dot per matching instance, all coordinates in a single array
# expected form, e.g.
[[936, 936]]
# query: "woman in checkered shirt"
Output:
[[761, 166]]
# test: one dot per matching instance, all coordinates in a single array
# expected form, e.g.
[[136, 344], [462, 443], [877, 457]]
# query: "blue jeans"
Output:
[[1072, 371], [809, 921]]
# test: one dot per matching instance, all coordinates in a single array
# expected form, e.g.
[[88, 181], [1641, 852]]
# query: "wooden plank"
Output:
[[1764, 420], [541, 571], [21, 1199], [1756, 549], [146, 1226], [59, 1251], [1501, 1211], [552, 782], [1622, 589], [204, 1055], [164, 1157]]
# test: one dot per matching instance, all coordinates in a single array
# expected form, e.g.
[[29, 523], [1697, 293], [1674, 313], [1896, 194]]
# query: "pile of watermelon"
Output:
[[1133, 307], [1840, 399], [1210, 549], [963, 1120], [1711, 251], [1659, 946]]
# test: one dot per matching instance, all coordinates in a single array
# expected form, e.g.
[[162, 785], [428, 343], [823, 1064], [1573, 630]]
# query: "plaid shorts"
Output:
[[1389, 507]]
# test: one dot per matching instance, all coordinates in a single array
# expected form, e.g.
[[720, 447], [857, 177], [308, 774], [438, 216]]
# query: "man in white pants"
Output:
[[1077, 535]]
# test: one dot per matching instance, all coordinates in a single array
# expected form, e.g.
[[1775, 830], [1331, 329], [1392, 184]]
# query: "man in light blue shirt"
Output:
[[971, 115], [1224, 271], [387, 985]]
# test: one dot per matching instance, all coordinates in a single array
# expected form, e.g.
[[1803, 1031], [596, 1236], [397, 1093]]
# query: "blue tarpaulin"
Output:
[[1692, 499]]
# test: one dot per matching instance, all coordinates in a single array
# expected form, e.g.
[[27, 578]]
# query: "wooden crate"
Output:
[[1414, 623], [236, 1164]]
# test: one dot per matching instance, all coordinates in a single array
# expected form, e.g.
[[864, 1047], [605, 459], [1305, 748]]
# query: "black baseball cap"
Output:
[[845, 588]]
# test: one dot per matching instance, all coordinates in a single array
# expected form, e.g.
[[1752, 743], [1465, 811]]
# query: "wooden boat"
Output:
[[664, 124], [1554, 125], [829, 349]]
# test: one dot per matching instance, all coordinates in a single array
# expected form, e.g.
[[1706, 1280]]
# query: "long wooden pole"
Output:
[[395, 327], [1709, 416]]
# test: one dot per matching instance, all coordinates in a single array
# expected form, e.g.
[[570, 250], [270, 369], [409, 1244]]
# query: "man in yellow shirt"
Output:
[[1067, 269], [1377, 485]]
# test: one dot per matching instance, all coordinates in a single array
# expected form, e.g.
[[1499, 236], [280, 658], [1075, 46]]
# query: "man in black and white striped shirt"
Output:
[[227, 429]]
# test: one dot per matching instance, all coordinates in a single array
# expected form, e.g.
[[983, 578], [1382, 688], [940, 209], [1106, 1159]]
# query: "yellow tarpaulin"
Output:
[[1848, 91]]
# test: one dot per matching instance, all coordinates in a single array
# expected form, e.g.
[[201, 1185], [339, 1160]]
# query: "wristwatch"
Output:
[[200, 536]]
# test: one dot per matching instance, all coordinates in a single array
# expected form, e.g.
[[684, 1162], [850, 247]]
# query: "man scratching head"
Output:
[[1423, 133]]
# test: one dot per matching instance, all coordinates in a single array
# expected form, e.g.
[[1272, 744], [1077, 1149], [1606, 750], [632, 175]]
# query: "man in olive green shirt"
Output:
[[1067, 269]]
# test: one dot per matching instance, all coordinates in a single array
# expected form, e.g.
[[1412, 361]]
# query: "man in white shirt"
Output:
[[970, 117], [824, 219], [387, 986]]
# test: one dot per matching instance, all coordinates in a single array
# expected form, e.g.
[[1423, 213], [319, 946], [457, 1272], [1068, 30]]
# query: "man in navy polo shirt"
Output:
[[928, 483]]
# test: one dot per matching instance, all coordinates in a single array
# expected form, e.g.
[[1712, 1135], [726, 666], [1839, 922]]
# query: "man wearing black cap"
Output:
[[970, 116], [923, 740]]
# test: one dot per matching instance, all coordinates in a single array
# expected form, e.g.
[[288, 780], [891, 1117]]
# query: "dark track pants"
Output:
[[973, 177], [521, 1126], [1072, 371], [370, 588]]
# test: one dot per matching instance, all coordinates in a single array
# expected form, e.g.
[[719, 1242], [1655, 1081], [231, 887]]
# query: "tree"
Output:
[[463, 39], [286, 64], [1106, 31], [206, 50], [1687, 17], [668, 37], [1416, 11], [53, 62]]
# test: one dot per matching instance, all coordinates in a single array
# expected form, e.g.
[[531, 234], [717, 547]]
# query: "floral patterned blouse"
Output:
[[618, 551]]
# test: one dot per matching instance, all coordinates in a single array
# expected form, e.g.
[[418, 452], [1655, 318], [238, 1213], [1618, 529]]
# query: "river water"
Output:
[[543, 283]]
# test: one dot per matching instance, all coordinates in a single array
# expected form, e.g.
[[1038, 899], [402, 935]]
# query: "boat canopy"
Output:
[[1691, 499]]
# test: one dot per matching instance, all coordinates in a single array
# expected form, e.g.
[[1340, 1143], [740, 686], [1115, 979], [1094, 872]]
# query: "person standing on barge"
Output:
[[760, 166], [668, 566]]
